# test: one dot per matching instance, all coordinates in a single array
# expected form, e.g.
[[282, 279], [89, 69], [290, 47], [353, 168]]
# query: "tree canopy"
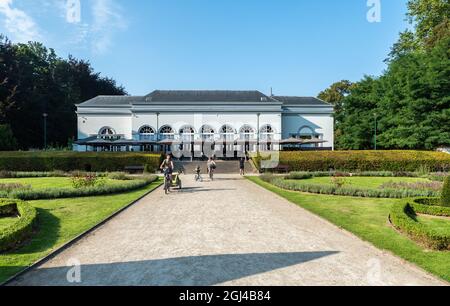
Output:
[[34, 81], [409, 104]]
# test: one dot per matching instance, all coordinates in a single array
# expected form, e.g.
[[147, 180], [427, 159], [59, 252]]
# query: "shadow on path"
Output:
[[183, 271]]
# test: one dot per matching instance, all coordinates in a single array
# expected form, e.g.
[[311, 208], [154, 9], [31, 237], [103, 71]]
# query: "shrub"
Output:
[[404, 218], [58, 193], [346, 190], [445, 197], [299, 176], [70, 161], [119, 176], [430, 206], [435, 186], [19, 230], [395, 161], [86, 181], [12, 186]]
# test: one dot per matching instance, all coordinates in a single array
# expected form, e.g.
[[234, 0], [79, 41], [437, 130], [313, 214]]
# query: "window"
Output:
[[107, 133], [207, 132], [306, 132], [227, 132], [167, 132], [267, 133], [146, 133], [247, 132], [187, 133]]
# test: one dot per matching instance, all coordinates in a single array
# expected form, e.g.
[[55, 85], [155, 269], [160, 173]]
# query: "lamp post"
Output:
[[45, 115], [376, 129]]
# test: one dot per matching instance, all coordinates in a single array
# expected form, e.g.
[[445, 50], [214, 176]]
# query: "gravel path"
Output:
[[226, 232]]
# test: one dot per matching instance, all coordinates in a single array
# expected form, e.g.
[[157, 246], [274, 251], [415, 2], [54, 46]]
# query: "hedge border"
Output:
[[71, 161], [393, 160], [347, 191], [403, 216], [64, 193], [430, 206], [22, 228]]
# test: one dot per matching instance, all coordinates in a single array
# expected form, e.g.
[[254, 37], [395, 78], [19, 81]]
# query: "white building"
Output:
[[200, 121]]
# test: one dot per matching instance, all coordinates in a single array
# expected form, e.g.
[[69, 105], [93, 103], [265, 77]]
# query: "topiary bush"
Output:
[[404, 218], [21, 229], [445, 198]]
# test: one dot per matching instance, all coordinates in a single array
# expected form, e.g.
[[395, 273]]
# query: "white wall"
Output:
[[321, 124], [89, 125]]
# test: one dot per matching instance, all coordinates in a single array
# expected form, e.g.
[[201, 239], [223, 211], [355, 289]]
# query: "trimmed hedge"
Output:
[[430, 206], [19, 230], [346, 191], [71, 161], [62, 193], [445, 197], [397, 161], [403, 217]]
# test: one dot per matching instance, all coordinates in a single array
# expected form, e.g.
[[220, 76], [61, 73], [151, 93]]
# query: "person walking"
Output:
[[242, 166], [211, 165]]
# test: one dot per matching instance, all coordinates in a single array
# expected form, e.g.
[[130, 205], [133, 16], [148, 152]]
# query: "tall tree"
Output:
[[34, 81]]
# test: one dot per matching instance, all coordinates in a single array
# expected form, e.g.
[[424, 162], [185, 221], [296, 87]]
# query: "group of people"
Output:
[[167, 166]]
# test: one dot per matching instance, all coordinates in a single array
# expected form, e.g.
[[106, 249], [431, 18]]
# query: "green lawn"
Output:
[[62, 220], [368, 219], [440, 225], [48, 182], [365, 182]]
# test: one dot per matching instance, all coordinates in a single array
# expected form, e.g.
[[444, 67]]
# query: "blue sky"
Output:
[[298, 47]]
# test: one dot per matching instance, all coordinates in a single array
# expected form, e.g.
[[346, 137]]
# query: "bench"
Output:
[[134, 169], [282, 169]]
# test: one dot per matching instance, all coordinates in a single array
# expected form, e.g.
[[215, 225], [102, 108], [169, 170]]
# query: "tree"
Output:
[[34, 81], [7, 140]]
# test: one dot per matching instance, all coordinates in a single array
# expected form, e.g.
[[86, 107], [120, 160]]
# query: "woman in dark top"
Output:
[[242, 166]]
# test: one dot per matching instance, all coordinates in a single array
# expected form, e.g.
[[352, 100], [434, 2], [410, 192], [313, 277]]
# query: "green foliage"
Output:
[[7, 140], [408, 106], [401, 162], [20, 229], [119, 176], [70, 161], [342, 190], [86, 181], [404, 218], [445, 198], [430, 206], [63, 193], [34, 80]]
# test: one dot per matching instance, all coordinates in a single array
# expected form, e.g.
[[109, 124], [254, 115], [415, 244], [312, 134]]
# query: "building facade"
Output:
[[199, 121]]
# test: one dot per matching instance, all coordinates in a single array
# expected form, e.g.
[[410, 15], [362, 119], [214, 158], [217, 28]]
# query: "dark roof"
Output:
[[206, 96], [301, 101], [112, 101]]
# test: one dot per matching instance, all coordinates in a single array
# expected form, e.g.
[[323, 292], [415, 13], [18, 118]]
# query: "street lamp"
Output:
[[45, 115]]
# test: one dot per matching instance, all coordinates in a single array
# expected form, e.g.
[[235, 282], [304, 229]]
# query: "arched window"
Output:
[[207, 132], [247, 132], [306, 132], [227, 132], [187, 133], [267, 133], [107, 133], [167, 132], [146, 133]]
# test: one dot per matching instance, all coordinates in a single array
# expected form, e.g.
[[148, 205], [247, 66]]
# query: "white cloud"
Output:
[[19, 25], [108, 19]]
